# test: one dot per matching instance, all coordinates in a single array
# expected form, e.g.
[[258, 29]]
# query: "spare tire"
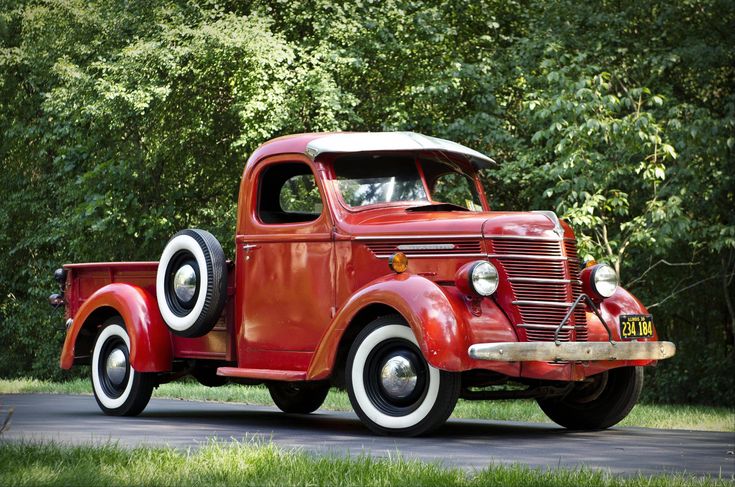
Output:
[[191, 283]]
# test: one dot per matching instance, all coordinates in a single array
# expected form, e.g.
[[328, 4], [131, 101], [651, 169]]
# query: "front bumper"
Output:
[[571, 351]]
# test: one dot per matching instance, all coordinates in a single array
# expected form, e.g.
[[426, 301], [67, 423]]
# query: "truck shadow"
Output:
[[324, 423]]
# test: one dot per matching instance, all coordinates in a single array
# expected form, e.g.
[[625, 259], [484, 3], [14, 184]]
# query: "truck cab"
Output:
[[370, 262]]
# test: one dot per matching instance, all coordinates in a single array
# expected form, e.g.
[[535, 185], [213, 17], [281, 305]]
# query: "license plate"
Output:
[[636, 326]]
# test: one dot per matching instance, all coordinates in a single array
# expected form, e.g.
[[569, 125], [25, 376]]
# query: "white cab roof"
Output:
[[351, 142]]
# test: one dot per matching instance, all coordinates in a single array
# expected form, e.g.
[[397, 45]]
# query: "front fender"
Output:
[[620, 303], [430, 313], [151, 348]]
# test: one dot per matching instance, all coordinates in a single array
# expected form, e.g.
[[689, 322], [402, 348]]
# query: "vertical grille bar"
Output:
[[573, 269]]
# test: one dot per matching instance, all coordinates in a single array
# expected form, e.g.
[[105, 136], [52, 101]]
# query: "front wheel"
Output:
[[118, 388], [391, 386], [603, 401]]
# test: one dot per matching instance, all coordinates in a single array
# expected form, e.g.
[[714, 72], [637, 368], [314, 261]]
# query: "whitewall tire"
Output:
[[191, 283], [118, 388], [391, 386]]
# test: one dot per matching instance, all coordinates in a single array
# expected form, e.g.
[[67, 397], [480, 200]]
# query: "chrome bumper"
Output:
[[571, 351]]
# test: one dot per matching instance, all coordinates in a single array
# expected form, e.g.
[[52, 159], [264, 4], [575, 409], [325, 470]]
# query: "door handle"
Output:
[[249, 247]]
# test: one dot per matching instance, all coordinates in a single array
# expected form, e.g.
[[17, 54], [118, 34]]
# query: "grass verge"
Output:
[[245, 464], [703, 418]]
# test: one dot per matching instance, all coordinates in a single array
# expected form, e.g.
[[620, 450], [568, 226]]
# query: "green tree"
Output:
[[121, 123]]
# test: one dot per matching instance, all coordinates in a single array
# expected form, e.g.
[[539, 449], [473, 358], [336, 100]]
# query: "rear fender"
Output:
[[151, 347], [429, 311]]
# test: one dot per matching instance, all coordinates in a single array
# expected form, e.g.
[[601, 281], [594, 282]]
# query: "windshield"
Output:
[[364, 180]]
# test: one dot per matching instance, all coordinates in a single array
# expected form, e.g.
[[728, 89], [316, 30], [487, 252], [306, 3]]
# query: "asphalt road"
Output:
[[464, 443]]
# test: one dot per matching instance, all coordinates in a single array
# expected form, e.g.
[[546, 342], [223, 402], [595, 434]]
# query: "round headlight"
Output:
[[484, 278], [604, 280]]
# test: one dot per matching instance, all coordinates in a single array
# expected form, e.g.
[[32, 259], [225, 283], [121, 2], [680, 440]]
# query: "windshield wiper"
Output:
[[438, 207]]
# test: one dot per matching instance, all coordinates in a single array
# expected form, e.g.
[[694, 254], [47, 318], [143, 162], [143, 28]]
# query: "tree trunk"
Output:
[[726, 281]]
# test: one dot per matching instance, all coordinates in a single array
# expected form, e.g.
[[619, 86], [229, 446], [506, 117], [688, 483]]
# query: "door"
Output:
[[287, 265]]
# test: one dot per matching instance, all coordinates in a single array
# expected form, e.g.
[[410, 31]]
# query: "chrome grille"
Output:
[[547, 269], [544, 279], [540, 291], [526, 247]]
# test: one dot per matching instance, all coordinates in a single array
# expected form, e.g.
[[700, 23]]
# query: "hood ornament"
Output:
[[558, 229]]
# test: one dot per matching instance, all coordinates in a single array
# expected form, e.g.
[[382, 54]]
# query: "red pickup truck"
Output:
[[371, 262]]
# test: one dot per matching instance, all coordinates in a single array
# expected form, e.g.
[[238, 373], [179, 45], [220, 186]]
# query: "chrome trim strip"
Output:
[[544, 280], [555, 304], [571, 351], [429, 246], [417, 237], [529, 237], [527, 257], [418, 256], [554, 219]]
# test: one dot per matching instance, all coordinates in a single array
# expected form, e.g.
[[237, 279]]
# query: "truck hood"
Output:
[[405, 224]]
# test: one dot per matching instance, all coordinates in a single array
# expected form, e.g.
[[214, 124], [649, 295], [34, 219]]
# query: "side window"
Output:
[[288, 194]]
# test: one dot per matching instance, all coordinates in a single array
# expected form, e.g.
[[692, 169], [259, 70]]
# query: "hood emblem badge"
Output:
[[447, 246]]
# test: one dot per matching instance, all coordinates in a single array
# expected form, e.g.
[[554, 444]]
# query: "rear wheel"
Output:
[[298, 397], [391, 386], [118, 388], [207, 376], [603, 401]]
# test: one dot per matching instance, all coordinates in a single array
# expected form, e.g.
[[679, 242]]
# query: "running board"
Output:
[[262, 374]]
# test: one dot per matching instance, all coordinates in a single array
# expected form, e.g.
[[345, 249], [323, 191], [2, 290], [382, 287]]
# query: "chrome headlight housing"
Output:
[[604, 280], [484, 278]]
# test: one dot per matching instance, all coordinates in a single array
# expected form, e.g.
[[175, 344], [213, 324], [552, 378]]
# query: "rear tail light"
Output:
[[57, 299]]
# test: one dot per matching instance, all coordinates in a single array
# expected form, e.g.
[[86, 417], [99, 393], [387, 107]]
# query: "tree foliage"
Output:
[[123, 122]]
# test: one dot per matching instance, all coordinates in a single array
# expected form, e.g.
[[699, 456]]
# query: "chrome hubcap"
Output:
[[116, 366], [398, 377], [185, 283]]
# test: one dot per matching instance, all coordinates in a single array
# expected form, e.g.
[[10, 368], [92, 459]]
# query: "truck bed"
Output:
[[84, 279]]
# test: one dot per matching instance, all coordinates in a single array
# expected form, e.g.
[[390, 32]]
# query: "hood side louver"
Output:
[[426, 248]]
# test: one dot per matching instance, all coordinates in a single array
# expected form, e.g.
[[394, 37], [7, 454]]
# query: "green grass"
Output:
[[704, 418], [266, 464]]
